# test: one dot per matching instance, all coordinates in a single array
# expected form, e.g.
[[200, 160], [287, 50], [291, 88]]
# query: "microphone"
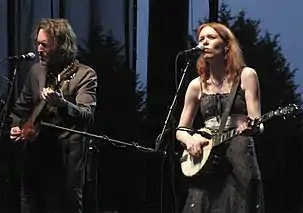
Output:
[[198, 49], [29, 56]]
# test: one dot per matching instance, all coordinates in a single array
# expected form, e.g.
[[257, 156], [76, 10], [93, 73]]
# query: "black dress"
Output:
[[232, 184]]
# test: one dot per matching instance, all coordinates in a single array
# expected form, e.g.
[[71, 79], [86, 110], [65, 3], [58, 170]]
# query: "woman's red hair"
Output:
[[233, 57]]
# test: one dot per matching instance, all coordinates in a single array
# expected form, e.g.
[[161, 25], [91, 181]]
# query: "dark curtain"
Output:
[[18, 21]]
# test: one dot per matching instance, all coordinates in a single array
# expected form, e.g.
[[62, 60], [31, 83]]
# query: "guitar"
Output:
[[30, 129], [191, 165]]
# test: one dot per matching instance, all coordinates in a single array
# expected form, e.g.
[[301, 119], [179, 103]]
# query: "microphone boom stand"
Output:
[[172, 107], [86, 134]]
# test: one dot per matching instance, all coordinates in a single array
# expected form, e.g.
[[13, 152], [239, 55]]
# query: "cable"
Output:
[[172, 161], [161, 182], [171, 158], [172, 169]]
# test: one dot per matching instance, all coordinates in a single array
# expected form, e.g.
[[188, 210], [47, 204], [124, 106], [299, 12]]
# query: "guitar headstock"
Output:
[[285, 111], [67, 74]]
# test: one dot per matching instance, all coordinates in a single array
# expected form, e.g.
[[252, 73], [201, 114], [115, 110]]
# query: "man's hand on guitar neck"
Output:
[[52, 97], [16, 133]]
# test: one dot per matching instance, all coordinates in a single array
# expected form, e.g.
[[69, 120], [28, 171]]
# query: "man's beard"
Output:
[[43, 60], [52, 60], [56, 63]]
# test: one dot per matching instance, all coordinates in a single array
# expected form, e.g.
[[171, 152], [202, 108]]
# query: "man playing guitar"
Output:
[[61, 91]]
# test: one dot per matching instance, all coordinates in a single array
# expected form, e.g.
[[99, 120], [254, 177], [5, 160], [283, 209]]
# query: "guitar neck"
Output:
[[225, 136], [38, 110]]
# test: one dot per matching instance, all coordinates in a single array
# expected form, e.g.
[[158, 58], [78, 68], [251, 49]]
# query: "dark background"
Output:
[[129, 179]]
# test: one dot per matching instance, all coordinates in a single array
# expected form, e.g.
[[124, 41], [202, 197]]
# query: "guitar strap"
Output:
[[230, 102]]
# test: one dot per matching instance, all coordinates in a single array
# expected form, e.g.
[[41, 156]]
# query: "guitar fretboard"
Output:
[[225, 136]]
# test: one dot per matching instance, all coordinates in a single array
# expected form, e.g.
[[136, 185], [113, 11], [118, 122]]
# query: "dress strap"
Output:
[[201, 87]]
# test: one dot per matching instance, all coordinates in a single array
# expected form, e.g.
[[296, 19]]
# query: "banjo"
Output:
[[191, 165]]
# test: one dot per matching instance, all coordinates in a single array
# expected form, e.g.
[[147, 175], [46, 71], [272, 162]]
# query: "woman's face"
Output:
[[212, 42]]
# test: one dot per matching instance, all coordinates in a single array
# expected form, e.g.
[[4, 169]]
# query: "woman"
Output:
[[235, 184]]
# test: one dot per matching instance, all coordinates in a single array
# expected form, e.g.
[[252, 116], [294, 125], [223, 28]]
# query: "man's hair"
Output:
[[61, 34]]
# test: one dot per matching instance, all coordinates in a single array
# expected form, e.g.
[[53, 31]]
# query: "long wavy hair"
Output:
[[62, 34], [234, 60]]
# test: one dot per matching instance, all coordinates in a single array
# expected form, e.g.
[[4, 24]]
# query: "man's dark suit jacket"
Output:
[[77, 114]]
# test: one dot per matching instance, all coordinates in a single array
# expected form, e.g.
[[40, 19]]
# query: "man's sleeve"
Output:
[[83, 109]]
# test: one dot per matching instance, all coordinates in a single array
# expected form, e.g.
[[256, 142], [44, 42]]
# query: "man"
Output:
[[61, 91]]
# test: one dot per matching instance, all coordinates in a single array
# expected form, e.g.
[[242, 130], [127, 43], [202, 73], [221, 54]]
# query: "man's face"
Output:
[[45, 47]]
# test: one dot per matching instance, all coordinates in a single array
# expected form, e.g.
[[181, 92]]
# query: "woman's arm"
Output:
[[250, 84], [191, 104], [249, 79]]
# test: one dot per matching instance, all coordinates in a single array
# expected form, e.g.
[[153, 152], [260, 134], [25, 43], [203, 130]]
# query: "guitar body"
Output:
[[29, 130], [190, 165]]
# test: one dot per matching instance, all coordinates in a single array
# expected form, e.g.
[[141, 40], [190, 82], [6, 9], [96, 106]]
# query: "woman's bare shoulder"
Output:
[[195, 85], [248, 73]]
